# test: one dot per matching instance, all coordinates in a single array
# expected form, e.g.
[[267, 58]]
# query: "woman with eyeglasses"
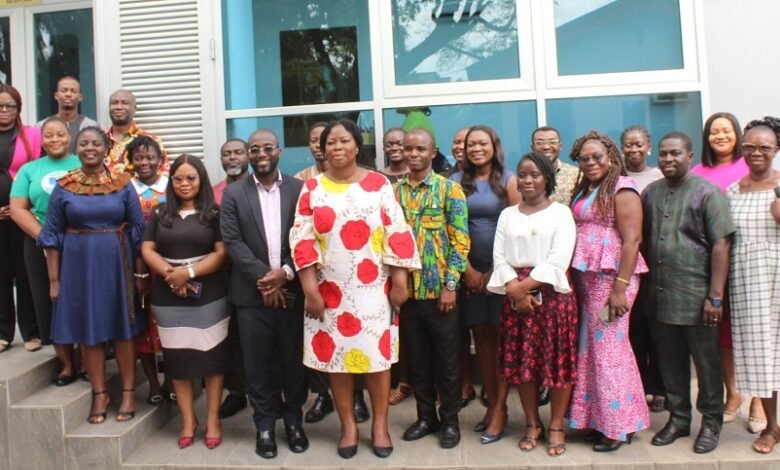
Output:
[[19, 144], [608, 397], [30, 195], [183, 247], [92, 239], [755, 264], [722, 164]]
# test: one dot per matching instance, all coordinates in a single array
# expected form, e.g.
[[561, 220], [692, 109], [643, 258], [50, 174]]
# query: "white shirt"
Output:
[[270, 205], [543, 240]]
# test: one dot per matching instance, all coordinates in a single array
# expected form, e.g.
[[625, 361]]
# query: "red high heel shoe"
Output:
[[214, 442], [187, 441]]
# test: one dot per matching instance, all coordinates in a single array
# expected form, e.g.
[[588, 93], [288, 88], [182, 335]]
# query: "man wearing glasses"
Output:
[[547, 141], [257, 214]]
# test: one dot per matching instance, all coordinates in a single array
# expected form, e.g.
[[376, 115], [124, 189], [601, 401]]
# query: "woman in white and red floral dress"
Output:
[[352, 248]]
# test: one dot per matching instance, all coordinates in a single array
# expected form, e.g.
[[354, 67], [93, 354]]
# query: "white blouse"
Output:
[[543, 240]]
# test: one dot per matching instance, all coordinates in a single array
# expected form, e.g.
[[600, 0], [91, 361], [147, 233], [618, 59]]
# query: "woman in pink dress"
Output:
[[608, 396]]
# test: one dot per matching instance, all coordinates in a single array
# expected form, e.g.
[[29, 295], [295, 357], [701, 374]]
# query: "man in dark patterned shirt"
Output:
[[687, 236]]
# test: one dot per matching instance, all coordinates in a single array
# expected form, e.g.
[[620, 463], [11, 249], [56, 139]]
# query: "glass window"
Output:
[[438, 41], [659, 113], [295, 52], [605, 36], [513, 121], [5, 49], [64, 46], [293, 133]]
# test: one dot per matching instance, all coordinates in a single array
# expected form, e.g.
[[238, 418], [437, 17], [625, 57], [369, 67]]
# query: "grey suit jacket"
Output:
[[243, 232]]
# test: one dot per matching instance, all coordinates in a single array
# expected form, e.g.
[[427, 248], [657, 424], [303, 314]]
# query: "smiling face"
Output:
[[8, 111], [418, 152], [479, 148], [548, 143], [531, 183], [341, 150], [458, 145], [314, 144], [55, 139], [594, 160], [146, 163], [636, 146], [186, 183], [393, 144], [674, 159], [91, 150], [234, 158], [723, 137], [264, 153], [759, 147], [121, 108]]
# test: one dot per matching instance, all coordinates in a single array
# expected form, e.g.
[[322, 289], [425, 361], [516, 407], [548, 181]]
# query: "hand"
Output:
[[272, 281], [774, 209], [399, 294], [515, 291], [176, 277], [5, 212], [527, 304], [143, 286], [447, 301], [712, 315], [314, 306], [473, 280], [618, 304], [54, 291], [181, 291], [485, 280], [274, 299]]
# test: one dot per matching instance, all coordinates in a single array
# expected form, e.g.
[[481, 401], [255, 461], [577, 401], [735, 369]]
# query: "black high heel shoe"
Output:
[[610, 445]]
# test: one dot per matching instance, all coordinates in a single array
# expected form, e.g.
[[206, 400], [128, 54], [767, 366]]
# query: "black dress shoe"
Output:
[[464, 402], [265, 446], [449, 436], [296, 439], [706, 441], [419, 429], [543, 396], [610, 445], [63, 380], [481, 426], [669, 434], [321, 407], [361, 410], [233, 404]]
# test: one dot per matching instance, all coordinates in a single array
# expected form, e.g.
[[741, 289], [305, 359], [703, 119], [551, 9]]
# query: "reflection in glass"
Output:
[[295, 52], [293, 134], [64, 46], [514, 121], [660, 113], [438, 41], [605, 36], [5, 50]]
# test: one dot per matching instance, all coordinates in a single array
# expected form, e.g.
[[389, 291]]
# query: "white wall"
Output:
[[743, 70]]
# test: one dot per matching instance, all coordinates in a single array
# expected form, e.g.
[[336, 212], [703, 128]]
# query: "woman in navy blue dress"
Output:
[[92, 240]]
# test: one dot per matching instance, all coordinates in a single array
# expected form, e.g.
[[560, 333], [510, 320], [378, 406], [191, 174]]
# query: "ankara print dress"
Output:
[[353, 233]]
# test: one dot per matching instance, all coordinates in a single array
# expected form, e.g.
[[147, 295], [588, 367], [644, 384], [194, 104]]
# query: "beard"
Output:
[[267, 171], [234, 171]]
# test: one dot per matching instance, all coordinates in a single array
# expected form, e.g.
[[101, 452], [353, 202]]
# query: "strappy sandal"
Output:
[[658, 403], [556, 450], [531, 440], [400, 393], [98, 418], [123, 416], [767, 439]]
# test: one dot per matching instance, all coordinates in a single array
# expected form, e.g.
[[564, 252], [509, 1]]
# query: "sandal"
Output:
[[100, 417], [556, 450], [658, 404], [400, 393], [529, 443], [123, 416], [766, 442]]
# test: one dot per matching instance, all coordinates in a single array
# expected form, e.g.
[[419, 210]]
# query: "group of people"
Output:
[[591, 285]]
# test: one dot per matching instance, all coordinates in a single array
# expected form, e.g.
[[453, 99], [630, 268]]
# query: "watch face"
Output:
[[451, 285], [716, 302]]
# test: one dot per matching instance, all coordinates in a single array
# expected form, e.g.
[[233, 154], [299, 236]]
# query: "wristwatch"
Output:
[[716, 302], [451, 285]]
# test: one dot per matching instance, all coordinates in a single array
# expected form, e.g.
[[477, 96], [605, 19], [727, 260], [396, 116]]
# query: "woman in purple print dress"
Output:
[[608, 395]]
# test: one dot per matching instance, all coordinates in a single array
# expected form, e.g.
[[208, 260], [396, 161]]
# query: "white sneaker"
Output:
[[32, 345]]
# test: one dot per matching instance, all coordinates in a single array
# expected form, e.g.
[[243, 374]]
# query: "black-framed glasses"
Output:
[[179, 179], [749, 149], [542, 143], [266, 149], [595, 158], [8, 106]]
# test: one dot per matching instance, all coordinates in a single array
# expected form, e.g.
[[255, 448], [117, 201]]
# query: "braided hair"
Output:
[[604, 201], [635, 128], [770, 122], [496, 165]]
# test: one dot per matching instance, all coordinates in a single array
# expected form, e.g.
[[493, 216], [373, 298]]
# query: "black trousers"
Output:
[[644, 348], [235, 381], [13, 272], [38, 278], [676, 344], [272, 336], [432, 339]]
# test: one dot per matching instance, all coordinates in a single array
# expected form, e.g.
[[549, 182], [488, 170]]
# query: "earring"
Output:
[[648, 153]]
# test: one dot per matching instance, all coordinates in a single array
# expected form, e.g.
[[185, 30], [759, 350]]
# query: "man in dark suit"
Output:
[[257, 214]]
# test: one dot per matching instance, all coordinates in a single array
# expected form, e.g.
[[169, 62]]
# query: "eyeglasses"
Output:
[[749, 149], [595, 158], [8, 106], [178, 179], [542, 143], [266, 149]]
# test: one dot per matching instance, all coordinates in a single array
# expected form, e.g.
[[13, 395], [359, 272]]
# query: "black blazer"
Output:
[[241, 223]]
